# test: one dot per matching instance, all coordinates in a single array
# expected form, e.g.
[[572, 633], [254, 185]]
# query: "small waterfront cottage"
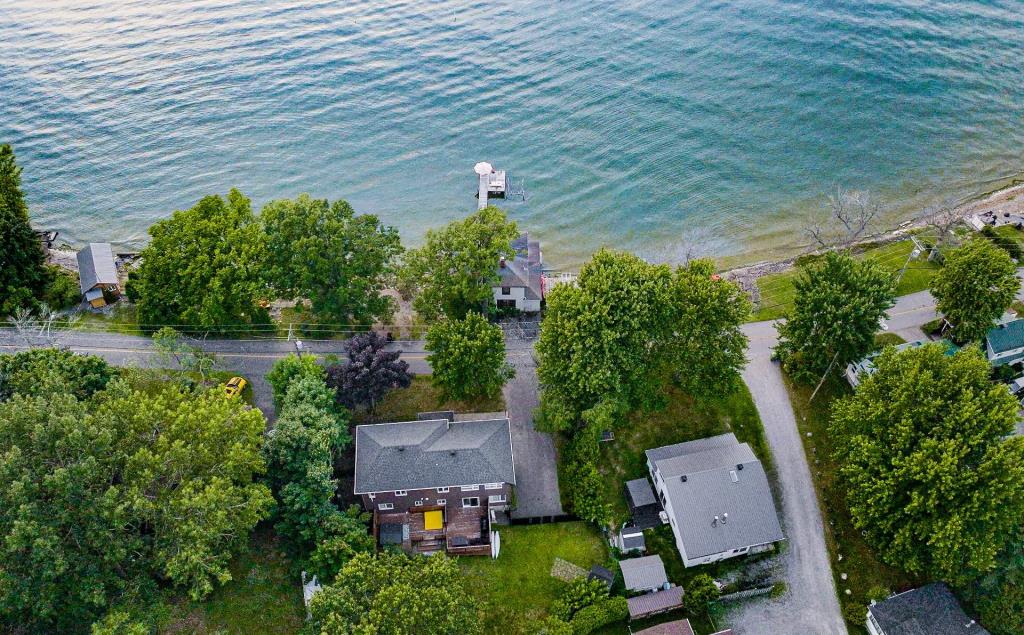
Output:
[[929, 610], [1004, 344], [521, 283], [437, 484], [97, 273], [716, 495]]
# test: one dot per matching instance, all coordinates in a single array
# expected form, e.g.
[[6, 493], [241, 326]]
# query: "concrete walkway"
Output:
[[810, 604]]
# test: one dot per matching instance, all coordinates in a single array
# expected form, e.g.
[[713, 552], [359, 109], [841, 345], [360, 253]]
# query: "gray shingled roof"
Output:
[[929, 610], [640, 492], [426, 454], [96, 266], [525, 269], [643, 573], [657, 602], [716, 485]]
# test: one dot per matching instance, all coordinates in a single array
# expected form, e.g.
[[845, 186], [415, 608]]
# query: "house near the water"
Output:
[[857, 371], [97, 273], [1004, 344], [716, 495], [931, 609], [437, 484], [521, 278]]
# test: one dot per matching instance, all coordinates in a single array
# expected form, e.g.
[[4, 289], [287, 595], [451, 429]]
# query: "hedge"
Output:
[[593, 617]]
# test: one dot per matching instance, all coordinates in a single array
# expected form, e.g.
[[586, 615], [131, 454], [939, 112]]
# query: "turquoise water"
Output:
[[660, 127]]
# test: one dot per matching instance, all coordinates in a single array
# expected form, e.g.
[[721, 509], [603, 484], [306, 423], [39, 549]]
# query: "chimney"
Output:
[[502, 262]]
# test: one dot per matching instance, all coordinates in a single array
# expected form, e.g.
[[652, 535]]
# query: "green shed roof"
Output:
[[1006, 337]]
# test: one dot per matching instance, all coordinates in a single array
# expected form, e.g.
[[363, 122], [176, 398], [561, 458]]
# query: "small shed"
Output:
[[97, 273], [644, 574], [653, 603], [644, 506], [597, 572]]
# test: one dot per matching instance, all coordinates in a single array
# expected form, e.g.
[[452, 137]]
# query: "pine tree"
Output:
[[22, 262]]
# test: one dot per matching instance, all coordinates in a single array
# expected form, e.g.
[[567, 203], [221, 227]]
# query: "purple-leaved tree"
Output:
[[369, 373]]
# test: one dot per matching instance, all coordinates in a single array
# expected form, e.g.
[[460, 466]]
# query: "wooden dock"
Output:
[[482, 192]]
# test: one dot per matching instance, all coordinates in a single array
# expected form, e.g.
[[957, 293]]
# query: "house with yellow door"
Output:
[[442, 483]]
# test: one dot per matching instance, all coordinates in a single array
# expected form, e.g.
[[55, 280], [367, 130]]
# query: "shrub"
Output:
[[855, 613], [700, 592], [595, 616], [579, 594], [61, 288]]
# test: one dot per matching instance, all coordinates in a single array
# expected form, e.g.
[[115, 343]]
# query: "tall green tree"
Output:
[[203, 266], [837, 309], [467, 357], [289, 369], [340, 261], [23, 274], [930, 476], [47, 371], [121, 492], [599, 339], [705, 349], [457, 267], [396, 593], [975, 286]]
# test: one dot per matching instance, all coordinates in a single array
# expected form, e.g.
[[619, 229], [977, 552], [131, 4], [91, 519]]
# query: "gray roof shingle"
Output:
[[929, 610], [96, 266], [525, 269], [640, 492], [722, 477], [426, 454], [643, 573], [657, 602]]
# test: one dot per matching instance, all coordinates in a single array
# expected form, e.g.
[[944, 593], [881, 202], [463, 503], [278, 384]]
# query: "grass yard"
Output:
[[264, 596], [864, 570], [120, 318], [684, 419], [517, 587], [403, 404], [777, 290], [888, 339]]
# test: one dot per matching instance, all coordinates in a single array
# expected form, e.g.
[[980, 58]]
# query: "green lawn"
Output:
[[888, 339], [684, 419], [264, 596], [120, 319], [777, 289], [864, 570], [518, 587], [402, 404]]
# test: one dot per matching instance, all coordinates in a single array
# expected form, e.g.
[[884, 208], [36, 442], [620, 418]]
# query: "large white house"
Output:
[[522, 278], [717, 498]]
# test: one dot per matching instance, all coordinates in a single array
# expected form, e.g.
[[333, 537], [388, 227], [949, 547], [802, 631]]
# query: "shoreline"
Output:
[[1006, 199]]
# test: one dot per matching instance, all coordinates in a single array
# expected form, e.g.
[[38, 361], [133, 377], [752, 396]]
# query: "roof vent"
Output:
[[714, 523], [502, 262], [734, 476], [739, 466], [452, 453], [683, 478], [401, 448], [725, 518]]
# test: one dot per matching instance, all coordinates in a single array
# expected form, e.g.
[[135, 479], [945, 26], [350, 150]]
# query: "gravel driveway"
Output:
[[810, 604]]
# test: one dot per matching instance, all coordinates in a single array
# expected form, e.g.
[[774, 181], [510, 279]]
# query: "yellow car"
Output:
[[235, 386]]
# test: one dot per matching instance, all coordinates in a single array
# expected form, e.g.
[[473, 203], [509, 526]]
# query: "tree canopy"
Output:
[[467, 357], [340, 261], [837, 309], [45, 371], [288, 369], [930, 477], [369, 372], [203, 266], [454, 271], [23, 274], [123, 490], [396, 593], [977, 283]]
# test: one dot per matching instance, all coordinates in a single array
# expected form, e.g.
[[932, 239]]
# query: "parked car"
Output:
[[235, 386]]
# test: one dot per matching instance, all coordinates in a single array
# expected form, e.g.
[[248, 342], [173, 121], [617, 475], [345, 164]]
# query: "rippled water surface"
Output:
[[660, 127]]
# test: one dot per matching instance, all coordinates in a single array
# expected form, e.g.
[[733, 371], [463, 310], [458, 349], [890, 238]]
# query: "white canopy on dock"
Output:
[[483, 168]]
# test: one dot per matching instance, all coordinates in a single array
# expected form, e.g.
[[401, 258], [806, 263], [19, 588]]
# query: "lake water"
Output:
[[665, 128]]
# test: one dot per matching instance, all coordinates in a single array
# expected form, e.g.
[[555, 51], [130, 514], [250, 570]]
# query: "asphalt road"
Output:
[[809, 604]]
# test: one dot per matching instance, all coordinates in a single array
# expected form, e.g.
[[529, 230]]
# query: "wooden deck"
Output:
[[462, 533]]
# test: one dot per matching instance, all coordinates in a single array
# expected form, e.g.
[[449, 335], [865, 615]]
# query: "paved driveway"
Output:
[[810, 604]]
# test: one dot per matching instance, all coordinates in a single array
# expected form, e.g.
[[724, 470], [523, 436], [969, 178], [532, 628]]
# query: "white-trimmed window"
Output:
[[385, 506], [418, 503], [372, 496], [443, 490], [471, 501], [442, 501], [469, 488], [492, 486], [496, 498], [400, 492]]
